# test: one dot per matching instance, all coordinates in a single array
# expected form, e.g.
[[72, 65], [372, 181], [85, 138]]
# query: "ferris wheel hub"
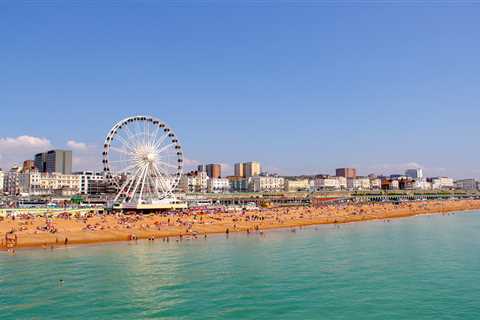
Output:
[[151, 157]]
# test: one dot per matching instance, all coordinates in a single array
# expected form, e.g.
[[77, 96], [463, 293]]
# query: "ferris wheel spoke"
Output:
[[161, 170], [148, 188], [140, 178], [154, 184], [133, 179], [126, 152], [167, 164], [131, 137], [139, 134], [163, 178], [125, 143], [121, 190], [143, 184], [154, 136], [152, 140], [165, 147], [166, 178], [160, 141], [121, 161], [125, 170], [157, 169], [145, 133]]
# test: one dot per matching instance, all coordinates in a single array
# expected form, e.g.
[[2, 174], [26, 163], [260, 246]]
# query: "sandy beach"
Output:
[[29, 231]]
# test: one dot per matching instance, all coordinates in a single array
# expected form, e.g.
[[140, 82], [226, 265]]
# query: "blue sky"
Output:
[[302, 88]]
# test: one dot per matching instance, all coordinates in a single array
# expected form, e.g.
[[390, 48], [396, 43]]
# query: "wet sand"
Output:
[[48, 233]]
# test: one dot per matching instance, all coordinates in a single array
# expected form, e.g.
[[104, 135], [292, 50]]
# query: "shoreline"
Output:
[[108, 229]]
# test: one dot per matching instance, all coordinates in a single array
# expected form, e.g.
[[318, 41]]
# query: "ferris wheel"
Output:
[[143, 158]]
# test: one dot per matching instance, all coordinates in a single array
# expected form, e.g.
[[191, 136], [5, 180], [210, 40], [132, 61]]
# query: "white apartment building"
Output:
[[394, 185], [442, 183], [297, 185], [422, 185], [10, 181], [218, 185], [267, 184], [86, 177], [194, 182], [38, 183], [330, 183], [375, 183], [2, 179], [358, 183]]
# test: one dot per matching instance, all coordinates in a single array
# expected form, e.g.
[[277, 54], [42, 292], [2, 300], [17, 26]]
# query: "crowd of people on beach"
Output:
[[194, 222]]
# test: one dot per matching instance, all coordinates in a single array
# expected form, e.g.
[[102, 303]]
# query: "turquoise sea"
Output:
[[424, 267]]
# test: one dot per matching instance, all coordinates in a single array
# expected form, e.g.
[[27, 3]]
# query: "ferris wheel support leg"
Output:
[[143, 185], [132, 181], [138, 181], [121, 189]]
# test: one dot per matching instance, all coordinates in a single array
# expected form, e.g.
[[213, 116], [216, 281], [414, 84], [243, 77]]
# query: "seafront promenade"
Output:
[[28, 230]]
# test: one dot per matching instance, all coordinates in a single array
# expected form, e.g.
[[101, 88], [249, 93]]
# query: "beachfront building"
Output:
[[86, 181], [390, 184], [329, 183], [406, 184], [358, 183], [187, 183], [442, 183], [10, 181], [295, 185], [466, 184], [218, 185], [238, 183], [267, 184], [195, 181], [375, 183], [40, 183], [422, 184]]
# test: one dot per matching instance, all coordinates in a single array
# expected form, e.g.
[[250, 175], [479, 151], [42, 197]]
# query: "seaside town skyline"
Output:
[[87, 157], [52, 172]]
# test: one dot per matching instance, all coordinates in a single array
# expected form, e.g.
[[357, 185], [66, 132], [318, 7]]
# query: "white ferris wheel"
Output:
[[143, 158]]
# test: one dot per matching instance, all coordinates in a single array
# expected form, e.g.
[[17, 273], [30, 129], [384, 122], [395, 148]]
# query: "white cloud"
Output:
[[23, 142], [75, 145], [190, 162], [16, 150]]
